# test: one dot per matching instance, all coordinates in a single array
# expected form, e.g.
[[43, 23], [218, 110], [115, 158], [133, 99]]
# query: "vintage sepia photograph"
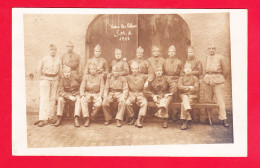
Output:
[[128, 79]]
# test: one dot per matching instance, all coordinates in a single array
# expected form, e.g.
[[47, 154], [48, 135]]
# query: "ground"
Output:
[[151, 134]]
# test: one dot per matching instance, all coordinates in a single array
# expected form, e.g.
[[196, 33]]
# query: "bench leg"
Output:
[[209, 116]]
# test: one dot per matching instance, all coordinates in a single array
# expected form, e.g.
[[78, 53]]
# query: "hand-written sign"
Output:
[[123, 31]]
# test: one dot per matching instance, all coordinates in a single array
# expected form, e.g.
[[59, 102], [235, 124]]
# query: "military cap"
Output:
[[97, 47], [70, 44], [118, 50], [52, 46], [172, 47], [155, 48], [140, 49]]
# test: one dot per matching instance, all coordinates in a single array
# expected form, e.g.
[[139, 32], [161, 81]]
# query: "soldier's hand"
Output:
[[187, 88], [167, 95], [72, 98], [155, 98], [109, 75], [146, 84], [82, 97], [121, 98]]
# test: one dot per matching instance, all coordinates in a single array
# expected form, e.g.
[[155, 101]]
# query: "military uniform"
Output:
[[92, 88], [72, 60], [121, 66], [116, 89], [190, 96], [216, 71], [136, 85], [154, 62], [196, 67], [100, 63], [69, 87], [159, 87]]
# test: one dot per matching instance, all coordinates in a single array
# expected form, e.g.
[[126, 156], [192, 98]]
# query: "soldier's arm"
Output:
[[180, 67], [61, 91], [195, 89], [180, 85], [60, 70], [225, 68], [173, 86], [106, 67], [101, 86], [39, 68], [198, 70], [82, 87], [79, 69], [106, 89], [125, 88], [126, 69], [148, 90]]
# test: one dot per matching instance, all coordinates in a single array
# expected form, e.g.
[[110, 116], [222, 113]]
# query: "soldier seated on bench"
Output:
[[116, 90], [68, 90], [91, 91], [188, 87], [161, 89]]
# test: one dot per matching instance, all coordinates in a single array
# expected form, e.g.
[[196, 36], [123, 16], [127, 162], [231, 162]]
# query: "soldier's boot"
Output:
[[51, 121], [76, 121], [87, 122], [184, 125], [131, 121], [139, 122], [118, 123], [40, 123], [108, 122], [165, 123], [225, 123], [58, 122]]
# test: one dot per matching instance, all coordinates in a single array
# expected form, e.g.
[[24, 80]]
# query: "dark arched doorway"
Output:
[[127, 32]]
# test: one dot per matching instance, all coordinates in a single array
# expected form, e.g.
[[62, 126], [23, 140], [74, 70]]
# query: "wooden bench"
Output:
[[205, 106]]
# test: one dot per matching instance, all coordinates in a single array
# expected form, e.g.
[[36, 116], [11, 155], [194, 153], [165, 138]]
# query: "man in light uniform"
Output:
[[99, 62], [49, 70], [72, 60], [68, 90], [91, 91], [156, 60], [136, 83], [116, 90], [216, 72], [120, 63]]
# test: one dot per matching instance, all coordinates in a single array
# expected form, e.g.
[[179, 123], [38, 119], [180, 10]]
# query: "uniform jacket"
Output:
[[69, 86], [121, 66], [189, 80], [100, 63], [136, 83], [72, 60], [196, 67], [173, 66], [118, 84], [92, 83]]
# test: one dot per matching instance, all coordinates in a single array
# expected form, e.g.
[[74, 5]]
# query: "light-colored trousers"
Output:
[[90, 98], [48, 93], [185, 106], [219, 91], [61, 104], [163, 102], [114, 97], [140, 100]]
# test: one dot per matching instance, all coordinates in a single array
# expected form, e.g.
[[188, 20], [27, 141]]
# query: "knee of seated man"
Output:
[[60, 99]]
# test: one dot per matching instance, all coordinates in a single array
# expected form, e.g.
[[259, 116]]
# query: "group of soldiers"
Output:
[[127, 84]]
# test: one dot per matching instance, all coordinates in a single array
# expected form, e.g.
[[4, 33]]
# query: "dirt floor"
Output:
[[151, 134]]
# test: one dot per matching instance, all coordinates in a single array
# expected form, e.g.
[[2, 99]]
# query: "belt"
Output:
[[91, 91], [115, 90], [50, 75], [174, 76], [135, 92], [213, 73]]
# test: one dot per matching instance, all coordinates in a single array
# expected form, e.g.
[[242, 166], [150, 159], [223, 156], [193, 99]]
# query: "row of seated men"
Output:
[[155, 78]]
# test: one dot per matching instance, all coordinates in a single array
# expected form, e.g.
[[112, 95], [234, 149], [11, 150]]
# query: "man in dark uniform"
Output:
[[116, 90], [72, 60], [120, 63], [161, 89], [91, 91], [68, 90], [136, 83], [156, 60]]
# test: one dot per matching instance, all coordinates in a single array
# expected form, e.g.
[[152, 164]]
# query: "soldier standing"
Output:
[[161, 89], [68, 90], [91, 91], [72, 60], [156, 60], [216, 72], [120, 64], [49, 70], [188, 86], [99, 62], [136, 83], [116, 90]]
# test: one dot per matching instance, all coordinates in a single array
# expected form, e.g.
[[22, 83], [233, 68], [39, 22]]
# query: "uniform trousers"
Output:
[[163, 102], [140, 100], [90, 98], [61, 104], [219, 92], [48, 93], [187, 100], [114, 97]]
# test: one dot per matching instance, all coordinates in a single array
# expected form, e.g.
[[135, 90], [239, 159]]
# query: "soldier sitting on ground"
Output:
[[136, 83], [188, 85], [116, 90], [161, 89], [68, 90], [91, 91]]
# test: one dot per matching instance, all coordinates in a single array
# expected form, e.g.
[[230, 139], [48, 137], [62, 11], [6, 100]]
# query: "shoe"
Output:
[[76, 121], [58, 122], [86, 124], [40, 123], [107, 122], [158, 113], [138, 122], [225, 123], [118, 123], [165, 123], [132, 121], [51, 121], [184, 125]]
